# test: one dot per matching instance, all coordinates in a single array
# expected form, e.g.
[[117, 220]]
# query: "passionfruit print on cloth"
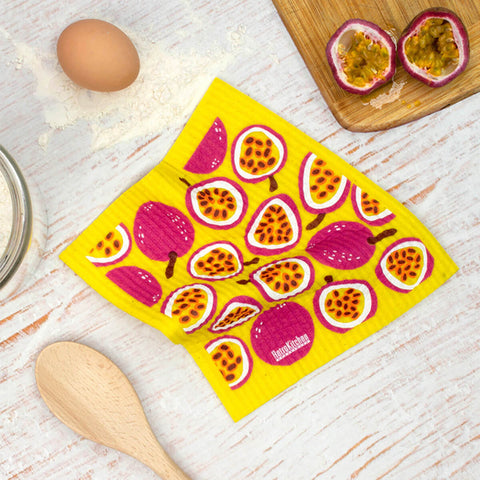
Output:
[[259, 250]]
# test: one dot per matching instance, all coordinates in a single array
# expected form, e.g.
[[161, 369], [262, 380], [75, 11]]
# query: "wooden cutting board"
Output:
[[312, 22]]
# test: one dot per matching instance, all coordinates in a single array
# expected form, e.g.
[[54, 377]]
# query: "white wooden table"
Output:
[[403, 404]]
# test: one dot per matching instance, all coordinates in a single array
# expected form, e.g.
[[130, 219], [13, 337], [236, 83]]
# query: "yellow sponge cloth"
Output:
[[259, 250]]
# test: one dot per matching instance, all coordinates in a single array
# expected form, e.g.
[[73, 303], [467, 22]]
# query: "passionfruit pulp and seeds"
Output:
[[364, 61], [433, 48]]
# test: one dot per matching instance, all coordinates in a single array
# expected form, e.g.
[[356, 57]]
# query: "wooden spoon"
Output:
[[92, 396]]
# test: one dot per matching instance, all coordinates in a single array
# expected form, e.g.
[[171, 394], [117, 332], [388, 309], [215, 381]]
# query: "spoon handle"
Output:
[[155, 457]]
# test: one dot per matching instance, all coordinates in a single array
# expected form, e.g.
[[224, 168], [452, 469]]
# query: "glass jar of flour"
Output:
[[22, 228]]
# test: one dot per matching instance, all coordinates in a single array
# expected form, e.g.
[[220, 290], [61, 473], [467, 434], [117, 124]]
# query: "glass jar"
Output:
[[23, 215]]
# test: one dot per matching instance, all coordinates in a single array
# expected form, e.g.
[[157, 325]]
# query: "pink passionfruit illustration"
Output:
[[345, 245], [138, 283], [163, 233], [211, 151], [283, 335]]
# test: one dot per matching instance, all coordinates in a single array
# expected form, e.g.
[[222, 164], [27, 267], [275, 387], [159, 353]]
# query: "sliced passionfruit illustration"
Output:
[[163, 233], [216, 261], [112, 248], [322, 190], [341, 306], [345, 245], [211, 151], [434, 48], [283, 278], [192, 306], [232, 358], [217, 203], [258, 152], [361, 56], [404, 265], [138, 283], [368, 209], [236, 312], [283, 335], [275, 227]]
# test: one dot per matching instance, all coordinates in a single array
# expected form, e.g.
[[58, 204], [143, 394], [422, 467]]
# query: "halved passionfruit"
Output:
[[191, 306], [434, 48], [235, 312], [112, 248], [275, 227], [216, 261], [217, 203], [283, 278], [232, 358], [342, 305], [361, 56], [369, 209], [404, 265]]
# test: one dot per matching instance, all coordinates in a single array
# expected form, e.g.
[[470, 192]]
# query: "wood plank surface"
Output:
[[311, 23], [404, 404]]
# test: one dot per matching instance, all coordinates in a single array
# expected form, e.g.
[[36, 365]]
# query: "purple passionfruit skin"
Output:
[[138, 283], [270, 294], [208, 312], [376, 34], [329, 321], [389, 280], [247, 360], [283, 335], [461, 39], [202, 251], [198, 212], [304, 181], [258, 247], [375, 219], [236, 302], [236, 151], [211, 151]]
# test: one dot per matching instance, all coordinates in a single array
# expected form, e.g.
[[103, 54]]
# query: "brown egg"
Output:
[[98, 56]]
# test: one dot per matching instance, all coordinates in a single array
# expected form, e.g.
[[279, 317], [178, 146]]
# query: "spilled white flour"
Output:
[[167, 89]]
